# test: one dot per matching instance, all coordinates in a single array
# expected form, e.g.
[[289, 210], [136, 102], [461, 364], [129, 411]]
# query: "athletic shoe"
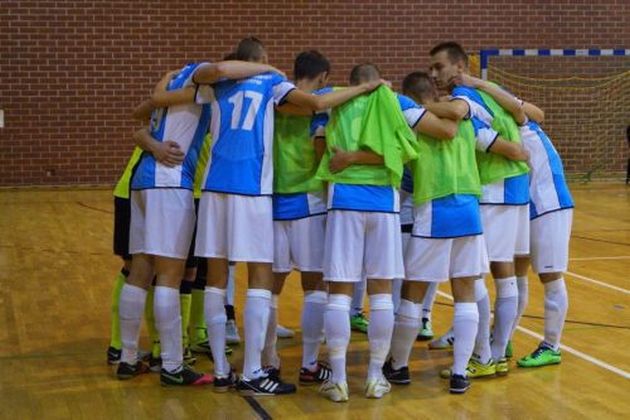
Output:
[[542, 356], [264, 386], [189, 359], [334, 392], [271, 372], [459, 384], [508, 350], [359, 322], [426, 331], [113, 355], [155, 364], [377, 387], [128, 371], [502, 367], [224, 383], [231, 332], [442, 343], [186, 376], [396, 376], [321, 374], [474, 369], [284, 332]]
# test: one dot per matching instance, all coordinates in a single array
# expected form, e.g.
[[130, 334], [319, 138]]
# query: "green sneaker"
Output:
[[502, 367], [359, 322], [508, 350], [542, 356], [426, 331], [475, 369]]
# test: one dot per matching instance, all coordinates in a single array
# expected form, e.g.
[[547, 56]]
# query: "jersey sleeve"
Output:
[[475, 103], [318, 124], [485, 136], [412, 111], [281, 88]]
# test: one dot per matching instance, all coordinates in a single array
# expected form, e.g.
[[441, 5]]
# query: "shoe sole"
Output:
[[424, 337], [399, 381], [222, 389], [536, 366], [458, 390]]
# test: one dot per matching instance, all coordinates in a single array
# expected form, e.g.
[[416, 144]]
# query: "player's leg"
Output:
[[231, 329], [358, 321], [465, 325]]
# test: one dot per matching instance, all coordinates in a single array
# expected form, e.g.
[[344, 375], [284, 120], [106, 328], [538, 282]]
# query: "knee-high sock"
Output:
[[523, 299], [337, 330], [115, 340], [312, 326], [185, 304], [429, 300], [270, 352], [358, 296], [505, 309], [132, 301], [215, 320], [168, 321], [556, 306], [465, 323], [483, 351], [406, 326], [380, 332], [256, 320]]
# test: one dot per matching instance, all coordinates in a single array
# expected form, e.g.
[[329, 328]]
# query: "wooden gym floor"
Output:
[[57, 270]]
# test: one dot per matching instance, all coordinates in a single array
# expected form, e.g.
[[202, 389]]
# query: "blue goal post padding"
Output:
[[484, 55]]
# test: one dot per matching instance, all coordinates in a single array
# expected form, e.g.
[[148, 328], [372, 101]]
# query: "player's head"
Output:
[[251, 49], [419, 86], [362, 73], [448, 60], [229, 56], [313, 66]]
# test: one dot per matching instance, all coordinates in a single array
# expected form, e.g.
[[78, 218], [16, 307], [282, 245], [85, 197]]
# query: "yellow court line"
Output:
[[568, 349]]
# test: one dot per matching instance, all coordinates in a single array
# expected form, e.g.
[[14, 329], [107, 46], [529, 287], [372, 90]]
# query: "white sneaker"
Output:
[[377, 387], [444, 342], [231, 332], [335, 392], [284, 332]]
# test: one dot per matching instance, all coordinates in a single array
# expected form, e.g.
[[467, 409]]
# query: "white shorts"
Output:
[[162, 222], [299, 244], [438, 259], [506, 231], [360, 242], [235, 227], [550, 234]]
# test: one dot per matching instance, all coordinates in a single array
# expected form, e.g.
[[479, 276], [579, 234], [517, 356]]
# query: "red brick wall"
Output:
[[71, 71]]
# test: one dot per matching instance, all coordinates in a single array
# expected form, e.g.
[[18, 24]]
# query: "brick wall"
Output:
[[71, 71]]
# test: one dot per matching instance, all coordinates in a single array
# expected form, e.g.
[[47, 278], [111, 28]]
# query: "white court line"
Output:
[[568, 349], [600, 283], [621, 257]]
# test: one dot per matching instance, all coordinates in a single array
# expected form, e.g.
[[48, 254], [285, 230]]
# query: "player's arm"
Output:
[[341, 159], [507, 101], [295, 110], [509, 150], [162, 97], [314, 103], [533, 112], [143, 111], [209, 73], [434, 126], [168, 153], [455, 109]]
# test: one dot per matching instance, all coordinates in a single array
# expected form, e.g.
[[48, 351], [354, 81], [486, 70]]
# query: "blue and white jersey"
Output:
[[509, 191], [376, 198], [548, 188], [241, 160], [185, 124], [453, 216]]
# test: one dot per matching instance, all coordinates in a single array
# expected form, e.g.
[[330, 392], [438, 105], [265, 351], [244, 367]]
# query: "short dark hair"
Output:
[[229, 56], [417, 84], [250, 49], [310, 64], [365, 72], [454, 51]]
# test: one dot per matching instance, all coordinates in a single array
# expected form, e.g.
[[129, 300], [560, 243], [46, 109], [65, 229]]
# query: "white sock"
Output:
[[429, 299], [396, 291], [505, 309], [523, 299], [482, 351], [406, 328], [270, 353], [256, 321], [337, 329], [312, 326], [229, 295], [556, 306], [380, 332], [168, 321], [215, 321], [130, 310], [358, 296], [465, 323]]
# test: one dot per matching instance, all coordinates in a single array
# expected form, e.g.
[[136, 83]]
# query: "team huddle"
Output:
[[451, 179]]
